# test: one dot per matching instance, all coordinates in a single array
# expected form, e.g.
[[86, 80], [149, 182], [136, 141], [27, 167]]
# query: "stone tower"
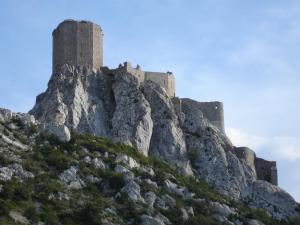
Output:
[[78, 43]]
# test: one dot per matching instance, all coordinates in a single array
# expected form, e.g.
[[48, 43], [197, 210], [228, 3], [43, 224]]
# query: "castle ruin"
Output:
[[80, 43], [165, 80], [77, 43]]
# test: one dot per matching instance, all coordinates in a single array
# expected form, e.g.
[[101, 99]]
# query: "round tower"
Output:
[[78, 43]]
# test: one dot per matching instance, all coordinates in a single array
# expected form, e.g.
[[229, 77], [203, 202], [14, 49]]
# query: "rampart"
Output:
[[212, 111], [78, 43], [266, 170], [247, 154], [165, 80]]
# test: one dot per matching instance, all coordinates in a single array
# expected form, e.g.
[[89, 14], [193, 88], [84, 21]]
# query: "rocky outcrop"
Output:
[[212, 153], [114, 106], [131, 121], [276, 201], [142, 115], [71, 179], [148, 220], [89, 174], [167, 141], [79, 101]]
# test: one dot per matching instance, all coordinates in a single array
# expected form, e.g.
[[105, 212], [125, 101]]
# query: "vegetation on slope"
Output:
[[45, 198]]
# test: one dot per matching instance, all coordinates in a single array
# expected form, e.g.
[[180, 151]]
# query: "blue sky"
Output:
[[244, 53]]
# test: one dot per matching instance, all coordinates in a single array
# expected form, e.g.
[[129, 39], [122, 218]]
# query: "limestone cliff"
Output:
[[141, 114]]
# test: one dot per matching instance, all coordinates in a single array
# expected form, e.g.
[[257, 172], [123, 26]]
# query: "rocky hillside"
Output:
[[127, 153], [91, 180]]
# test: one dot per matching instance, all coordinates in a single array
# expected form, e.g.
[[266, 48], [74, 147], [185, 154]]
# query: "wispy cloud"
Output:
[[287, 148]]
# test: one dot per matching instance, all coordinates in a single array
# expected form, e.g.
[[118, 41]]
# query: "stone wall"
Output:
[[78, 43], [248, 155], [165, 80], [97, 46], [266, 170], [212, 111]]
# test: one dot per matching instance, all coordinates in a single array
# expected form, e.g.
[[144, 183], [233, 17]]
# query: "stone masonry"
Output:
[[80, 44], [77, 43], [165, 80], [265, 170]]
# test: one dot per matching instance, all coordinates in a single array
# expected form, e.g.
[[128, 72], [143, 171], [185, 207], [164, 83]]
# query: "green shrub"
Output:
[[298, 208], [53, 140], [90, 214], [4, 161], [56, 158], [16, 190], [5, 207], [32, 166], [192, 155], [201, 220], [295, 221], [46, 185], [49, 216], [32, 214], [122, 198], [173, 214], [115, 180], [131, 211], [6, 133], [18, 122], [7, 221], [31, 130]]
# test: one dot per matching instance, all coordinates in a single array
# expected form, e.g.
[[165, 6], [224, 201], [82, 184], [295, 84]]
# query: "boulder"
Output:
[[127, 160], [178, 190], [184, 215], [222, 209], [5, 115], [150, 198], [14, 170], [61, 131], [98, 163], [255, 222], [149, 220], [6, 174], [71, 179], [20, 173], [133, 191]]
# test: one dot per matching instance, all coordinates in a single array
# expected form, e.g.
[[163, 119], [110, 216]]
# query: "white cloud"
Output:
[[281, 147]]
